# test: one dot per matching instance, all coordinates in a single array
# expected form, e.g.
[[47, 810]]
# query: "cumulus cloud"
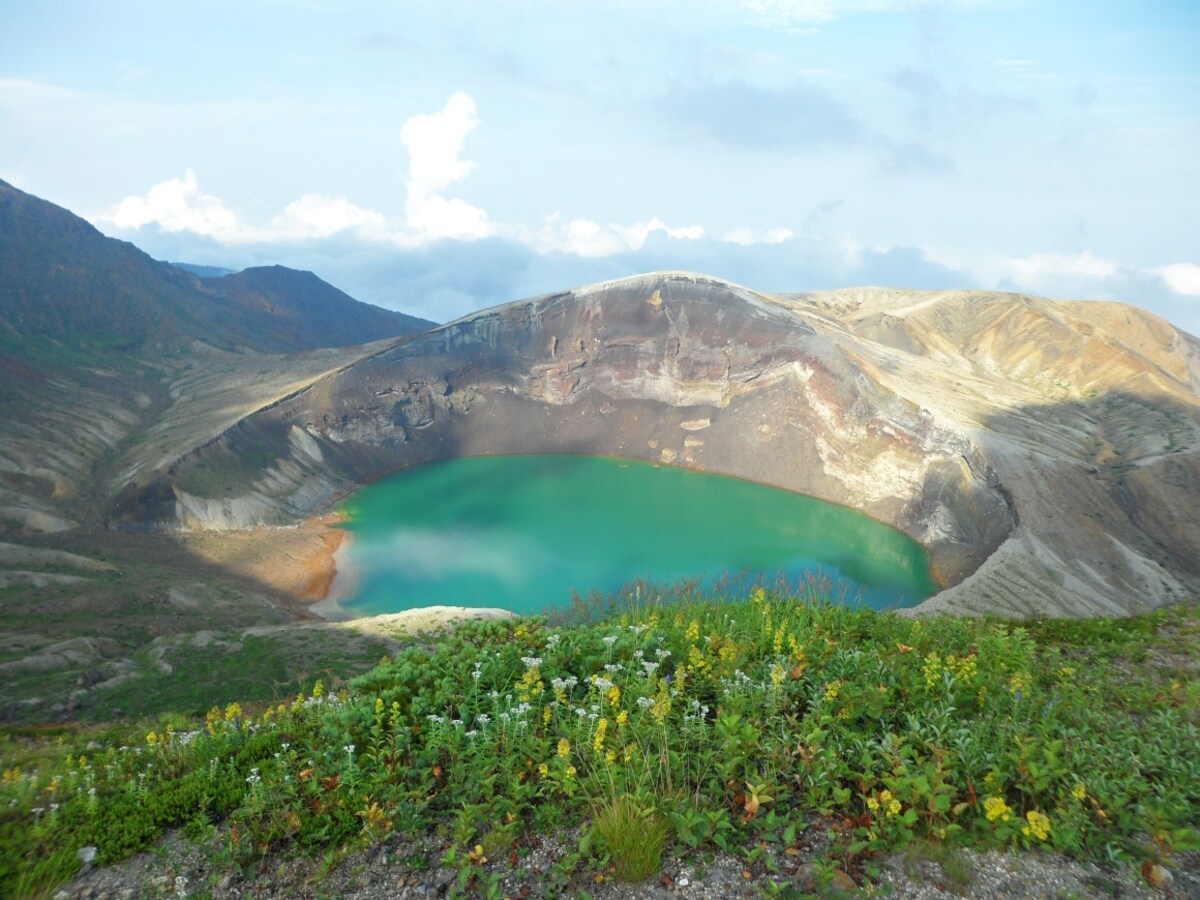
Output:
[[745, 236], [177, 204], [1182, 278], [1034, 269], [435, 145], [583, 237], [319, 216]]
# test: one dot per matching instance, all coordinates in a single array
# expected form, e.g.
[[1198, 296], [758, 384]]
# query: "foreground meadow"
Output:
[[682, 725]]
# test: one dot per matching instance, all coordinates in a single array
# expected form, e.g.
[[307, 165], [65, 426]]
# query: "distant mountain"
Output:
[[203, 271], [112, 362], [66, 285], [302, 307]]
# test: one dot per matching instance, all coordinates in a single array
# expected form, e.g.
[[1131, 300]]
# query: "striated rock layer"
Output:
[[1045, 452]]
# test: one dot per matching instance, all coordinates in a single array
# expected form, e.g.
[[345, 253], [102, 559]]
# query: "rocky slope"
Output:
[[1045, 452], [112, 362]]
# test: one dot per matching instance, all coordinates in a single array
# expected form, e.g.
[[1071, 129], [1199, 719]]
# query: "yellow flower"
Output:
[[1039, 825], [778, 673], [598, 739], [622, 718], [152, 739], [319, 689], [831, 690], [931, 668], [996, 808], [543, 770], [571, 771], [1019, 683], [693, 631], [661, 707], [545, 715], [873, 804], [610, 756], [758, 595], [233, 711], [1079, 792], [564, 748], [963, 667], [613, 695], [893, 807]]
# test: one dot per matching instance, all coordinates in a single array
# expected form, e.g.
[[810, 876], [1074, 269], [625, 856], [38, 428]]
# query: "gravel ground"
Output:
[[408, 869]]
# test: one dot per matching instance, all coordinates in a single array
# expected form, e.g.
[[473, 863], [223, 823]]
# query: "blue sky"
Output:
[[438, 157]]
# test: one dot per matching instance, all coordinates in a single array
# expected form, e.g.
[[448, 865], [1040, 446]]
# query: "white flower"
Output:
[[662, 654], [610, 639], [482, 719], [531, 662], [649, 667], [645, 702]]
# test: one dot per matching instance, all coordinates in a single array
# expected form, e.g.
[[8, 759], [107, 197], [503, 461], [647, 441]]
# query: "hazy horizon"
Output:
[[440, 161]]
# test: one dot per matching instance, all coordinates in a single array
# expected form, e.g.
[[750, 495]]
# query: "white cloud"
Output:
[[583, 237], [435, 144], [636, 235], [1037, 268], [319, 216], [747, 236], [177, 204], [1182, 278], [801, 13]]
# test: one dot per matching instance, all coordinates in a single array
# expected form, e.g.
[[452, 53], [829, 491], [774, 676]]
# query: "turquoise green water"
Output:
[[523, 532]]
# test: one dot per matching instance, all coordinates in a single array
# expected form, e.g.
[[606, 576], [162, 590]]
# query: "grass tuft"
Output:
[[634, 837]]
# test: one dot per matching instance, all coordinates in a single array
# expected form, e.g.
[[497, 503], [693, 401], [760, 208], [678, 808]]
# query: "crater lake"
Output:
[[524, 533]]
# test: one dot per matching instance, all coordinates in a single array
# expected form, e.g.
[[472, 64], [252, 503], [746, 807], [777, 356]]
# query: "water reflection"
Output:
[[524, 532]]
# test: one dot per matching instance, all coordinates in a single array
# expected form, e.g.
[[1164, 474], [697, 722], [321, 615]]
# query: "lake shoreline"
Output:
[[341, 582]]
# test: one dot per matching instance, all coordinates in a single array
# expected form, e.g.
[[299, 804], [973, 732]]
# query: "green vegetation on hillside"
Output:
[[699, 724]]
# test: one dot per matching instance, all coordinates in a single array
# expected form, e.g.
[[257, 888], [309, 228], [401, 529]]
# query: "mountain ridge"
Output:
[[689, 370], [64, 282], [1046, 453], [113, 360]]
